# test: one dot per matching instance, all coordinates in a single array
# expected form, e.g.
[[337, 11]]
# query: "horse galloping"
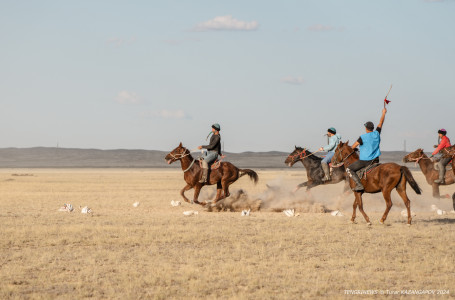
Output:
[[314, 170], [383, 178], [223, 176], [428, 170]]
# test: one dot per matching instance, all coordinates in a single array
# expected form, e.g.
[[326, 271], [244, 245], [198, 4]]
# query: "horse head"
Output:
[[414, 156], [295, 156], [176, 154], [342, 152]]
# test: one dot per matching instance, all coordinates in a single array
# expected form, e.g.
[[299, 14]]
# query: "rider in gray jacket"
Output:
[[213, 150]]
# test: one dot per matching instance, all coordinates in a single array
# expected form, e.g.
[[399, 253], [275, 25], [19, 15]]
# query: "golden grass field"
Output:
[[154, 251]]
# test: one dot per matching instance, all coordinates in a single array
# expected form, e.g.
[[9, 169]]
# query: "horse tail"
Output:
[[253, 175], [453, 200], [408, 175]]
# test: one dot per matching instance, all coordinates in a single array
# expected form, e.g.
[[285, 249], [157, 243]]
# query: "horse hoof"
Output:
[[353, 222], [369, 224], [409, 225], [381, 222]]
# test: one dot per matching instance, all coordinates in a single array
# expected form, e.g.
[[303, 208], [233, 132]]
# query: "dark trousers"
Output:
[[362, 164]]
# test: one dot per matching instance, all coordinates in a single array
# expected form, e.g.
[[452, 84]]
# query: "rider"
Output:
[[213, 150], [369, 150], [334, 140], [444, 143]]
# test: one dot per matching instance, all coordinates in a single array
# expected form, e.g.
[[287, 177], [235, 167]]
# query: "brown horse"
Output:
[[383, 178], [223, 176], [427, 167]]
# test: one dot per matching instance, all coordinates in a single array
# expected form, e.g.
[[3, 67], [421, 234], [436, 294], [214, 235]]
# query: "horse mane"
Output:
[[313, 157]]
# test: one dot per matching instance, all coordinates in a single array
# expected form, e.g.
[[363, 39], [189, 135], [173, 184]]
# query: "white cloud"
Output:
[[293, 80], [167, 114], [226, 23], [125, 97], [320, 27], [117, 42]]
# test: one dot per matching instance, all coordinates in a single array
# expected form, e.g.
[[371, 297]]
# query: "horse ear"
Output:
[[180, 145], [347, 142], [295, 147]]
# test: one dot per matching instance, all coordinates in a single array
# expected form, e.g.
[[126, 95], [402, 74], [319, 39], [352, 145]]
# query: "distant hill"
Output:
[[43, 157]]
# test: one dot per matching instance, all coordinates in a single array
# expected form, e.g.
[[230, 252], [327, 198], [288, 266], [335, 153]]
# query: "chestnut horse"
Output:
[[314, 172], [383, 178], [223, 176], [431, 174]]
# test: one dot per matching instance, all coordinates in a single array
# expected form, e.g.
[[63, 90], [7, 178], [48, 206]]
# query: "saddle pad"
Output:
[[363, 172]]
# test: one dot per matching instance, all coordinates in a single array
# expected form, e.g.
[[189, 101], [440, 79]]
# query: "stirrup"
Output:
[[358, 188], [326, 178], [439, 181]]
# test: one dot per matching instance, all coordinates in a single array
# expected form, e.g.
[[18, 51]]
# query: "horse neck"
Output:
[[351, 159], [425, 164], [186, 161]]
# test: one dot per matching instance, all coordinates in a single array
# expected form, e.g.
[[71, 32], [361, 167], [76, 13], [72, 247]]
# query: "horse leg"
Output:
[[388, 203], [360, 204], [354, 207], [197, 190], [226, 185], [218, 191], [300, 186], [436, 191], [401, 189], [182, 192]]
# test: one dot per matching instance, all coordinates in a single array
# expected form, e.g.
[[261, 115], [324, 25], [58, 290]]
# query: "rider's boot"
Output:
[[205, 170], [326, 169], [358, 185], [442, 173]]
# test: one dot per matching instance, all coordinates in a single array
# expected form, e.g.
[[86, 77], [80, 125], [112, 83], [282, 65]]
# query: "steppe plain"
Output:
[[154, 251]]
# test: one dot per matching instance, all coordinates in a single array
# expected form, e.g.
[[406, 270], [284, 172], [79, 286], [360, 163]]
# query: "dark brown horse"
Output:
[[223, 176], [314, 172], [431, 174], [383, 178]]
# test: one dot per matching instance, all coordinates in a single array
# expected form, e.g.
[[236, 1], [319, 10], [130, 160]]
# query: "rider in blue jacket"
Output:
[[334, 140], [369, 150]]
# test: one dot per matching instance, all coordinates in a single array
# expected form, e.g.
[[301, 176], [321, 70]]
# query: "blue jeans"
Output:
[[210, 157], [328, 157]]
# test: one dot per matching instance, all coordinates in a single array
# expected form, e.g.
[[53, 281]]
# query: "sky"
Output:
[[274, 74]]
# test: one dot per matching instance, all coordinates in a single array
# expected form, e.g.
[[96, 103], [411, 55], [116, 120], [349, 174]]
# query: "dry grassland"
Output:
[[153, 251]]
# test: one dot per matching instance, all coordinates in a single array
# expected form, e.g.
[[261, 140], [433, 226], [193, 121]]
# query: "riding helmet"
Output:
[[442, 131], [369, 125], [216, 126], [332, 130]]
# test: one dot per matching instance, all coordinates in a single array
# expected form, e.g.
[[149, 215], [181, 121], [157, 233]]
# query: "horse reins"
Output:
[[343, 160]]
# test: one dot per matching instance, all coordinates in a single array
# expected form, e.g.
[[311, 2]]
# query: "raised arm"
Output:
[[384, 111]]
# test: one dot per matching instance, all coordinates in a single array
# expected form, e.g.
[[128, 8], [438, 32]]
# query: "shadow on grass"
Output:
[[439, 221]]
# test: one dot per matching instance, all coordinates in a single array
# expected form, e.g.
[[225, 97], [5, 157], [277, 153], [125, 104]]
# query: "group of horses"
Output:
[[382, 178]]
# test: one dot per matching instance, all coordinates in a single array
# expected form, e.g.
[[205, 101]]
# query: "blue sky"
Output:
[[274, 74]]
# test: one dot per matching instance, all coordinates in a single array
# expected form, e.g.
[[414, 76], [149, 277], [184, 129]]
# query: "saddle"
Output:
[[362, 173], [214, 165]]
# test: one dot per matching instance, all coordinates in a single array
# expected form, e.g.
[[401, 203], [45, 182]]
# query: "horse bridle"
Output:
[[299, 155], [343, 159], [181, 155]]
